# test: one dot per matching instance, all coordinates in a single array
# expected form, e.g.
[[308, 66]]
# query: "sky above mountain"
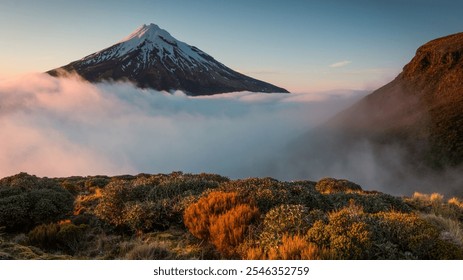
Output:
[[300, 45]]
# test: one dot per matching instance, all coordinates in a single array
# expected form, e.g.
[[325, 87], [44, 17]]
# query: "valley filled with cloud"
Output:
[[66, 126]]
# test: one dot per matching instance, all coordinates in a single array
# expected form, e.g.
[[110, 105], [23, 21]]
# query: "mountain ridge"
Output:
[[408, 132], [423, 105], [152, 58]]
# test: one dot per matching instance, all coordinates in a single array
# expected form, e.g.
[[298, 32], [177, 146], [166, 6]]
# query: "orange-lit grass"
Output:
[[228, 230], [292, 247], [221, 218]]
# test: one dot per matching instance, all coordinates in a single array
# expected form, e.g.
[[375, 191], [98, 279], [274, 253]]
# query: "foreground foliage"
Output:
[[205, 216]]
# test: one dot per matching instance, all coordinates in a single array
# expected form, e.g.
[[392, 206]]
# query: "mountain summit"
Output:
[[151, 58]]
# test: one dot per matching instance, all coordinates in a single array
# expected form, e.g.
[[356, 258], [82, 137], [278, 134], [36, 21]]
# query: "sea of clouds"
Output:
[[65, 126], [57, 127]]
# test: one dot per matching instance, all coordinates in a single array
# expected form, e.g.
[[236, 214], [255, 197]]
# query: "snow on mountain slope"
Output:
[[151, 58]]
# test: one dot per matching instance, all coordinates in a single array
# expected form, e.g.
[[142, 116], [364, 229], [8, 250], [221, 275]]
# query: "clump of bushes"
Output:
[[268, 193], [58, 236], [413, 236], [125, 206], [180, 186], [45, 236], [221, 218], [208, 216], [345, 234], [292, 247], [331, 185], [286, 219], [149, 203], [26, 201], [112, 202], [371, 202], [148, 215]]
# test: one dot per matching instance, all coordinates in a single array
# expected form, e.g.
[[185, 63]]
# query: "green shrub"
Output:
[[346, 234], [414, 235], [72, 187], [14, 212], [331, 185], [148, 202], [45, 236], [112, 202], [286, 219], [26, 181], [180, 186], [96, 182], [268, 193], [24, 206], [43, 209], [371, 202], [147, 216], [67, 237], [71, 237]]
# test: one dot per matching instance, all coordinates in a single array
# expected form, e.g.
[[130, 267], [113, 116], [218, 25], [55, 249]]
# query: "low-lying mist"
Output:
[[388, 168], [65, 126]]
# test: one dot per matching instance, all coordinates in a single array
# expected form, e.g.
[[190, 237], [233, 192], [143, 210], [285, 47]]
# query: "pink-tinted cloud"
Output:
[[61, 127]]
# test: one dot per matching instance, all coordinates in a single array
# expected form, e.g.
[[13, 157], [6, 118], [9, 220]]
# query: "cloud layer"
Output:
[[61, 127], [65, 126]]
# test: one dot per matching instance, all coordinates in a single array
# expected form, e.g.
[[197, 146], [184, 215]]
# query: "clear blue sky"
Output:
[[300, 45]]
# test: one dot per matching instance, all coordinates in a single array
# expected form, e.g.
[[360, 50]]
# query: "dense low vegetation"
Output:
[[205, 216]]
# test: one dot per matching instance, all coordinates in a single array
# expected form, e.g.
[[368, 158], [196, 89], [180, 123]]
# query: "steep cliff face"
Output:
[[435, 74], [420, 110], [440, 61]]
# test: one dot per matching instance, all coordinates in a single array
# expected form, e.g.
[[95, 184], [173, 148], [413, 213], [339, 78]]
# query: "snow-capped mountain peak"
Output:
[[150, 32], [148, 39], [151, 57], [151, 35]]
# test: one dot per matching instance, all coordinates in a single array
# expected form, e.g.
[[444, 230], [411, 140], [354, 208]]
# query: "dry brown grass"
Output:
[[451, 230], [153, 251]]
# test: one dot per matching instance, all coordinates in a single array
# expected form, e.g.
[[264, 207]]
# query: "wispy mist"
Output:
[[387, 168]]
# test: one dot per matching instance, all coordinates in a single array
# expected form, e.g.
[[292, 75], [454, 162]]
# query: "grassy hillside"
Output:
[[207, 216]]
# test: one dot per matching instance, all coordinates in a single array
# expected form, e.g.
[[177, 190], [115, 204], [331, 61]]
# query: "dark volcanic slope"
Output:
[[151, 58], [421, 109]]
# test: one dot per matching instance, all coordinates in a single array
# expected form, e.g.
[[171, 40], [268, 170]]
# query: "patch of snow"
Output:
[[151, 41]]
